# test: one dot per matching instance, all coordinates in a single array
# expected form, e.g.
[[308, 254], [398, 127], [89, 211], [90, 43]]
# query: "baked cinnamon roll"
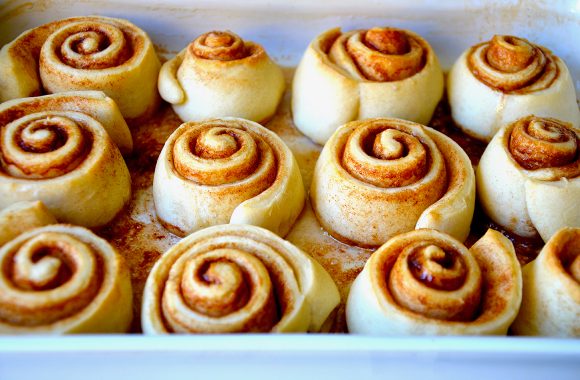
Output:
[[528, 179], [84, 53], [380, 72], [377, 178], [57, 149], [220, 75], [551, 298], [498, 81], [62, 279], [227, 170], [425, 282], [22, 217], [236, 278]]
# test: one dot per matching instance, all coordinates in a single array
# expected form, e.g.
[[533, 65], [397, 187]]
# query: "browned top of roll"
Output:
[[509, 63], [541, 143], [221, 46], [384, 54]]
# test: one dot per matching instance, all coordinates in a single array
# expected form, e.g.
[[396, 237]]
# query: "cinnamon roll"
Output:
[[22, 217], [498, 81], [219, 75], [551, 298], [227, 170], [84, 53], [380, 72], [236, 278], [56, 149], [425, 282], [63, 279], [528, 179], [377, 178]]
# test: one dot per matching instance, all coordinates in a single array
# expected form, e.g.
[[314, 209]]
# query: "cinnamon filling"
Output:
[[385, 54], [539, 143]]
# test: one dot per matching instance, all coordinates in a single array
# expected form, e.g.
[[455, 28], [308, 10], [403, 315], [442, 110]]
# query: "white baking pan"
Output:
[[285, 28]]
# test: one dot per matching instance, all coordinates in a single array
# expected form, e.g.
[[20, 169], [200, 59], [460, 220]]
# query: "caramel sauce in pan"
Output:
[[141, 239]]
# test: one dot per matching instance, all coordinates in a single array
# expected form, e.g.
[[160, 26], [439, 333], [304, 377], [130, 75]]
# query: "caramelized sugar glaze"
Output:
[[141, 239]]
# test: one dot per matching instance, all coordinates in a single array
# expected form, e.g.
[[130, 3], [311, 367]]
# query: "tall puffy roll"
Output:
[[22, 217], [425, 282], [528, 179], [236, 278], [62, 279], [380, 72], [377, 178], [551, 298], [498, 81], [57, 149], [227, 170], [84, 53], [220, 75]]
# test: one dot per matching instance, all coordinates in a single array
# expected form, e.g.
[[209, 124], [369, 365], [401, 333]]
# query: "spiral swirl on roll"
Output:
[[227, 170], [244, 83], [220, 155], [380, 177], [364, 74], [92, 46], [84, 53], [44, 145], [541, 143], [380, 54], [63, 279], [426, 282], [551, 298], [529, 176], [223, 46], [509, 63], [502, 80], [56, 149], [235, 278]]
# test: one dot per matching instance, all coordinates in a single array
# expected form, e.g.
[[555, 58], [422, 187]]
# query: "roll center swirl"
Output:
[[388, 41], [45, 263], [385, 157], [384, 54], [221, 286], [93, 46], [509, 54], [218, 285], [437, 279], [218, 155], [538, 143], [438, 268], [53, 275], [510, 63], [216, 143], [43, 145], [218, 45]]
